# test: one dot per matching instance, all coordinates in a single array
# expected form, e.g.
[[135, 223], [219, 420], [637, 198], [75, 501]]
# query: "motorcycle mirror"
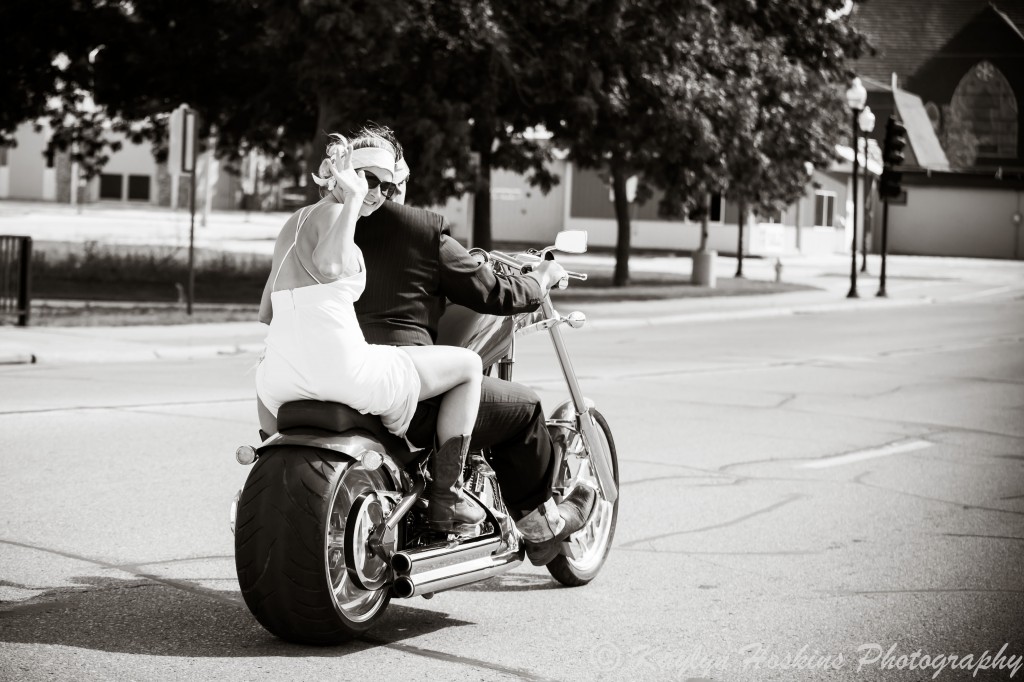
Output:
[[571, 241]]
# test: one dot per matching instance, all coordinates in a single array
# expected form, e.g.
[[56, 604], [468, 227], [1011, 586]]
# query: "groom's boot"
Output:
[[548, 525], [446, 507]]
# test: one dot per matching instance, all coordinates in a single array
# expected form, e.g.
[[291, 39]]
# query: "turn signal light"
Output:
[[246, 454]]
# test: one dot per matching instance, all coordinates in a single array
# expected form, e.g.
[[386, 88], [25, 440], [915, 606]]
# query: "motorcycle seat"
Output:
[[338, 418]]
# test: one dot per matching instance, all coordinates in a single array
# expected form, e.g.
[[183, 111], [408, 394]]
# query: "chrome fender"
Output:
[[566, 410], [357, 446]]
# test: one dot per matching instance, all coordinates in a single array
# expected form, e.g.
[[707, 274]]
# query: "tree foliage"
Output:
[[694, 96]]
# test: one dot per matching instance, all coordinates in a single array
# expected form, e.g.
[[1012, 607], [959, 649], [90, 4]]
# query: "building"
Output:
[[131, 176], [963, 60]]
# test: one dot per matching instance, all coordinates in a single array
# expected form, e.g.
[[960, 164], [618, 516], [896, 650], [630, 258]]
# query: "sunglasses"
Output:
[[388, 189]]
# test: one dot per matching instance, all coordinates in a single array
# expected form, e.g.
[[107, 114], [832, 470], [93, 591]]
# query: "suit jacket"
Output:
[[413, 264]]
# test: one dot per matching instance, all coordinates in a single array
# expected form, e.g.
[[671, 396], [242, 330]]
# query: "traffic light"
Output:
[[889, 186], [895, 141], [892, 155]]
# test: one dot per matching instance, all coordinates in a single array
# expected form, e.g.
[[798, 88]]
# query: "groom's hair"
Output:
[[374, 135]]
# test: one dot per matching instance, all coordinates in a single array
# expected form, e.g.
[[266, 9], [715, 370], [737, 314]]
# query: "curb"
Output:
[[14, 358], [146, 354], [749, 314]]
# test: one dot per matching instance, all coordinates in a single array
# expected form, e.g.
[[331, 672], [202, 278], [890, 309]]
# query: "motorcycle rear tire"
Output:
[[281, 546], [577, 572]]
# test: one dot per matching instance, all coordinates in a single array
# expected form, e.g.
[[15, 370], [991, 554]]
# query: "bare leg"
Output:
[[455, 372]]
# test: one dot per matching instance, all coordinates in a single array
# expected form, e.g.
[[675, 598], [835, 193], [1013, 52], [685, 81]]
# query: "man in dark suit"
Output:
[[413, 265]]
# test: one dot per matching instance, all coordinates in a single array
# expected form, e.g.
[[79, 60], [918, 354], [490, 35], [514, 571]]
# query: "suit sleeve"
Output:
[[470, 283]]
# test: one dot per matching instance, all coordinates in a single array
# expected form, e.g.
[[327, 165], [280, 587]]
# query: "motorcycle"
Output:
[[330, 524]]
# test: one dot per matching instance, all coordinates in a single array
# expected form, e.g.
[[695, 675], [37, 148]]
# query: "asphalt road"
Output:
[[826, 489]]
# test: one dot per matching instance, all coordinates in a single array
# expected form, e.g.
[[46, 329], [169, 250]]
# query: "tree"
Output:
[[632, 99], [444, 75], [957, 138], [679, 101], [789, 61], [48, 50], [33, 36]]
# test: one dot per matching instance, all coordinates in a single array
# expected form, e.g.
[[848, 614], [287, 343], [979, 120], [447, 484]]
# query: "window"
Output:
[[138, 188], [985, 105], [824, 209], [716, 208], [110, 186]]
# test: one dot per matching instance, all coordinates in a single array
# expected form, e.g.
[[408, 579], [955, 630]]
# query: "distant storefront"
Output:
[[131, 176]]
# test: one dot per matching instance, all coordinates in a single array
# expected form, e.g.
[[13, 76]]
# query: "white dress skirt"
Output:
[[315, 350]]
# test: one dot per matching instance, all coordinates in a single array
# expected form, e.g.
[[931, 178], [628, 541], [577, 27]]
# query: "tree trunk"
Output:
[[741, 223], [482, 142], [705, 216], [317, 148], [482, 207], [621, 277]]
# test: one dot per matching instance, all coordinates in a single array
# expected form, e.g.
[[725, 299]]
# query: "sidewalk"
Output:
[[911, 281], [934, 282]]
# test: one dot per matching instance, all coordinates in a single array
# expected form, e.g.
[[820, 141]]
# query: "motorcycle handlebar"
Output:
[[524, 267]]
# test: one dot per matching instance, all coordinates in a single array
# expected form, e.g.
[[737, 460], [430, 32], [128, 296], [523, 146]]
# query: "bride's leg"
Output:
[[455, 372]]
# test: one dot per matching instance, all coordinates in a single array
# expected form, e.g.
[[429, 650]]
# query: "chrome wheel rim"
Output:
[[354, 510], [593, 538]]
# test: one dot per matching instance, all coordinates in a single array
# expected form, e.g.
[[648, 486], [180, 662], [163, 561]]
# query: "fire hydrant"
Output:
[[778, 270]]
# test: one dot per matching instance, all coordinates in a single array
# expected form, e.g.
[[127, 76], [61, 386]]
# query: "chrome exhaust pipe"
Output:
[[403, 587], [451, 576], [414, 561]]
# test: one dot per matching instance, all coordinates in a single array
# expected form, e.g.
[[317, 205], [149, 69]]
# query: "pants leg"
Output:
[[511, 423]]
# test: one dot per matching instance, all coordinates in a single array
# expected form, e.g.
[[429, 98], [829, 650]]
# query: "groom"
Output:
[[413, 266]]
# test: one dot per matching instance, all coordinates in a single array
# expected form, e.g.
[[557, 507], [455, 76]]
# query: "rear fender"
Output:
[[354, 445]]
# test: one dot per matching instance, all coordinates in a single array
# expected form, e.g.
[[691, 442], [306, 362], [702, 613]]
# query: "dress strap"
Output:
[[302, 220]]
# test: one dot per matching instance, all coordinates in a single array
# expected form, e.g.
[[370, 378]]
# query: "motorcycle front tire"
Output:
[[598, 534]]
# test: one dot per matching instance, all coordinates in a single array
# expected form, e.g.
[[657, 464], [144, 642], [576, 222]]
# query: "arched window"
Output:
[[985, 102]]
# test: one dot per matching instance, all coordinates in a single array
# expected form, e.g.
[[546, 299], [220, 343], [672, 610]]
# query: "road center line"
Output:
[[861, 455]]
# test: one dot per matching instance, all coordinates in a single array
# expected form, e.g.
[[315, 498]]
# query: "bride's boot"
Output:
[[446, 506]]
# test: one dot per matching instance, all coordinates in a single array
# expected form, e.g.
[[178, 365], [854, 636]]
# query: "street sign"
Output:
[[188, 147], [181, 141], [175, 127]]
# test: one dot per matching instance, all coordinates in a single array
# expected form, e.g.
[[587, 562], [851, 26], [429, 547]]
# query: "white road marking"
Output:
[[983, 294], [861, 455]]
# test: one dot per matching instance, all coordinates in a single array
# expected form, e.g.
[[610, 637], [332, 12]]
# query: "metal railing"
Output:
[[15, 278]]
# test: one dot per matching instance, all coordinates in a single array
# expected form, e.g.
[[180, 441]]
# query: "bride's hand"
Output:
[[350, 182]]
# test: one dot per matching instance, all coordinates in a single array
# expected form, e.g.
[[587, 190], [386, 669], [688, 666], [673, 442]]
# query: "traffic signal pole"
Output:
[[885, 235], [889, 185]]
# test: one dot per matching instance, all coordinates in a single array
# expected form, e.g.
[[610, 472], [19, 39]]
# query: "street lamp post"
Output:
[[866, 121], [856, 97]]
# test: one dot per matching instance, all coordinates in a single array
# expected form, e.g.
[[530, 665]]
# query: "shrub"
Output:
[[145, 273]]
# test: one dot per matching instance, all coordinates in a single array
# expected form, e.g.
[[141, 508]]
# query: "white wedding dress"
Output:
[[315, 350]]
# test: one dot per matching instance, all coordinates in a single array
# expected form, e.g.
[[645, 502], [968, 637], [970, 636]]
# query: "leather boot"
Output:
[[446, 507], [548, 525]]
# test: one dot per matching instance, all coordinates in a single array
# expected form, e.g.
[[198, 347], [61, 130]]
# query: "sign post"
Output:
[[182, 141], [188, 165]]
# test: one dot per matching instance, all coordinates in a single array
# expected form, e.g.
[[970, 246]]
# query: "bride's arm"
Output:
[[335, 251]]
